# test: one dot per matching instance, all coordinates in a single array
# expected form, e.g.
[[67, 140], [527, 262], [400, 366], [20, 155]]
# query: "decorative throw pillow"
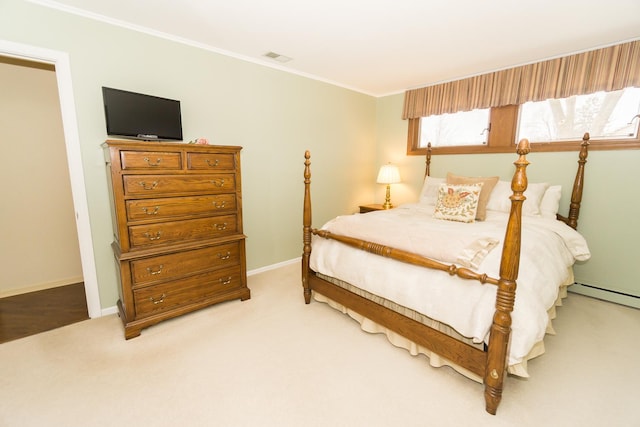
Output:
[[429, 192], [457, 202], [487, 187]]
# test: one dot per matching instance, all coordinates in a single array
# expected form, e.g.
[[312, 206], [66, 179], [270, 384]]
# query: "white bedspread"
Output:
[[549, 247]]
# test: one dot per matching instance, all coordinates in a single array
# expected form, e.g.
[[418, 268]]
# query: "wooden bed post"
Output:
[[576, 195], [427, 170], [505, 297], [306, 228]]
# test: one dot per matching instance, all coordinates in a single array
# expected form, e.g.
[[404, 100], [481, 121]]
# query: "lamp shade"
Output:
[[389, 174]]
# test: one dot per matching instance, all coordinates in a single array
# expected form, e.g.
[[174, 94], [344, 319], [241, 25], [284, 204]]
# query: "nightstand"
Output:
[[371, 208]]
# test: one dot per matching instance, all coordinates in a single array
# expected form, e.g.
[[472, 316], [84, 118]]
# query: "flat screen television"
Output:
[[139, 116]]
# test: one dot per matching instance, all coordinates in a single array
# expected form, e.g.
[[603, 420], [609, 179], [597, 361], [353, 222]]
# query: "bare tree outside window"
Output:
[[605, 115]]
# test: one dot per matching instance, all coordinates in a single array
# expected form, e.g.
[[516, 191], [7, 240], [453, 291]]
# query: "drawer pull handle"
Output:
[[154, 272], [218, 183], [221, 227], [154, 212], [152, 237], [157, 163], [227, 256], [213, 164], [158, 301], [146, 186], [219, 205], [225, 281]]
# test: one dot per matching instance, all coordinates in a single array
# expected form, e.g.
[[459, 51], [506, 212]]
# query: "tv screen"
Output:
[[139, 116]]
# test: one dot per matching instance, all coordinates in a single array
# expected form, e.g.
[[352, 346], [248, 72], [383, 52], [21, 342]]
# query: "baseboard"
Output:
[[114, 310], [273, 266], [605, 294], [109, 311]]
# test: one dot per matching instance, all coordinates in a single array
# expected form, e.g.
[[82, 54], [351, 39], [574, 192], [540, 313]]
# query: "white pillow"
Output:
[[429, 192], [499, 198], [550, 203]]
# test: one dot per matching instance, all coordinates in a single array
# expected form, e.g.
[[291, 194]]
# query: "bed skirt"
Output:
[[414, 349]]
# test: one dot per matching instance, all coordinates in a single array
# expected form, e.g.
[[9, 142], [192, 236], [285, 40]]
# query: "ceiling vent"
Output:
[[277, 57]]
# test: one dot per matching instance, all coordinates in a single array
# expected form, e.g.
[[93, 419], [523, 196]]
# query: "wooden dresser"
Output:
[[179, 244]]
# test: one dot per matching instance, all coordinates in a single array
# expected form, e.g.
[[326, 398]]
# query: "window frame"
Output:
[[503, 123]]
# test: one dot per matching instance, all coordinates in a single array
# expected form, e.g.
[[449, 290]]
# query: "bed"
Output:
[[454, 302]]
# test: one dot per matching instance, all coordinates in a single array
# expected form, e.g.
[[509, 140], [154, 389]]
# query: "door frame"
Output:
[[74, 159]]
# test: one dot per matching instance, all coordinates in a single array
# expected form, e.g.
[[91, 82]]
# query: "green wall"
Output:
[[610, 213], [275, 116]]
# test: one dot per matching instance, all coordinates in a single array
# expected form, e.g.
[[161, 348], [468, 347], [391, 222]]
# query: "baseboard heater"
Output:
[[606, 294]]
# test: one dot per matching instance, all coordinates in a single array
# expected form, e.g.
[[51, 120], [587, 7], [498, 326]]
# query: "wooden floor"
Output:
[[35, 312]]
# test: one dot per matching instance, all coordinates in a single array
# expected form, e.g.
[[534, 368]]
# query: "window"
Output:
[[611, 118], [605, 115], [458, 129], [491, 130]]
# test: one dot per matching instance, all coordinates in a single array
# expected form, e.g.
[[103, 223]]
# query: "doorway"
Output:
[[41, 286], [60, 61]]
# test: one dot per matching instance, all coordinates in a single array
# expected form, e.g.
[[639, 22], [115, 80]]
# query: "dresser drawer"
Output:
[[158, 209], [211, 161], [164, 233], [150, 160], [158, 298], [172, 266], [158, 185]]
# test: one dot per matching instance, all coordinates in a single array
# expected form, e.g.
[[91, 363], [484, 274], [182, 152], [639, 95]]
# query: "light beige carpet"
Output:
[[274, 361]]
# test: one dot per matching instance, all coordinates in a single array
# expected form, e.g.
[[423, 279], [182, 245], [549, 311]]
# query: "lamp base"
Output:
[[387, 201]]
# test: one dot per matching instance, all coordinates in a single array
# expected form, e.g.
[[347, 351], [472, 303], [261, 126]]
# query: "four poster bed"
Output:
[[439, 277]]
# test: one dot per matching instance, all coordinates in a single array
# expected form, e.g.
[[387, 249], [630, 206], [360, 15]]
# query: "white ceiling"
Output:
[[379, 47]]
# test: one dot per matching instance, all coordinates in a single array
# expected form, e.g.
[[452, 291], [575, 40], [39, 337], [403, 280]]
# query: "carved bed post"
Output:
[[576, 195], [306, 228], [505, 297], [427, 171]]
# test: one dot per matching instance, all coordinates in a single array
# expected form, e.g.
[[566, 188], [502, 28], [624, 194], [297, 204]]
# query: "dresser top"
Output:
[[165, 145]]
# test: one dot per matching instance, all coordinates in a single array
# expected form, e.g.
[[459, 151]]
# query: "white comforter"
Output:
[[549, 248]]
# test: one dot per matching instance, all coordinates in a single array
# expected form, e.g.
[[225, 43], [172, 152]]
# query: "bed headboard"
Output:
[[578, 184]]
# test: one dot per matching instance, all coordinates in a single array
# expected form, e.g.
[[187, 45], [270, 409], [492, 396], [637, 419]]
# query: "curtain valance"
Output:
[[606, 69]]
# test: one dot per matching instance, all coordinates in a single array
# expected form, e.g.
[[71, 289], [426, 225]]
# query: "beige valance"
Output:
[[608, 69]]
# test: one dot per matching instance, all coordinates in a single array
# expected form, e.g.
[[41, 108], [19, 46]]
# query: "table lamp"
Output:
[[388, 174]]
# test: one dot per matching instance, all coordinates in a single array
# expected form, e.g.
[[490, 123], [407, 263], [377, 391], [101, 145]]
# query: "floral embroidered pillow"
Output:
[[457, 202], [487, 187]]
